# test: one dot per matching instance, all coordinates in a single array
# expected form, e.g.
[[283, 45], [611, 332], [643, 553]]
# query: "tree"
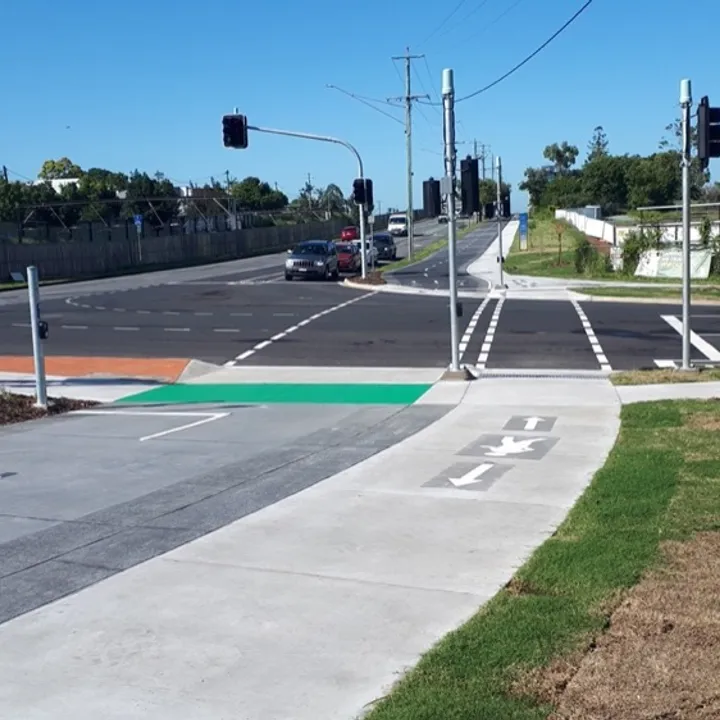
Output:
[[604, 182], [562, 155], [488, 191], [654, 180], [64, 168], [598, 145], [535, 183], [253, 194]]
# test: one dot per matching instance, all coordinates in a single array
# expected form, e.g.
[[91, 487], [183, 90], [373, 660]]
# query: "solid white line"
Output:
[[708, 350], [594, 342], [490, 335], [465, 341], [243, 356], [279, 336], [206, 418]]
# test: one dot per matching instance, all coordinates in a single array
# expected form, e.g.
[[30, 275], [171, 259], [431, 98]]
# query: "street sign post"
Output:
[[139, 227], [523, 231]]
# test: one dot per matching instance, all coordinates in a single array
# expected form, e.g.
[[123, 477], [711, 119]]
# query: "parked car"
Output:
[[442, 219], [386, 247], [371, 252], [312, 258], [349, 259], [349, 233], [397, 224]]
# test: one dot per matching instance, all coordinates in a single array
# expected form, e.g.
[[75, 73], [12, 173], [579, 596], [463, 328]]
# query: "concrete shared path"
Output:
[[312, 602]]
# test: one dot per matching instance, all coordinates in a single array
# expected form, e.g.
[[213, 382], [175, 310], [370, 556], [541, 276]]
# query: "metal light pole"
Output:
[[686, 103], [38, 356], [498, 166], [448, 97], [361, 172]]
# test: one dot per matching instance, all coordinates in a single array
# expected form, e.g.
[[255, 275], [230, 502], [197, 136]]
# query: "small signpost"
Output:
[[523, 231], [139, 227]]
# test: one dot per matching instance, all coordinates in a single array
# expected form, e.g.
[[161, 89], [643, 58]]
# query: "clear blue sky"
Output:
[[143, 84]]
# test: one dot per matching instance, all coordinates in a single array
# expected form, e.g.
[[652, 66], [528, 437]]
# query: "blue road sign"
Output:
[[523, 230], [138, 220]]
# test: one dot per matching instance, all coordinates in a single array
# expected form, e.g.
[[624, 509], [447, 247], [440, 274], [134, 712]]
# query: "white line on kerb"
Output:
[[708, 350], [470, 329], [279, 336], [594, 343], [490, 335]]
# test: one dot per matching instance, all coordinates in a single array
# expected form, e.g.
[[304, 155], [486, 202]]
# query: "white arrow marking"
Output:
[[532, 422], [471, 477]]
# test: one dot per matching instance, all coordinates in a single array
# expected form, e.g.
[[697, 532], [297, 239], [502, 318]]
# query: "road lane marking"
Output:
[[594, 342], [490, 335], [176, 329], [470, 329], [708, 350], [121, 328], [206, 417], [279, 336], [74, 327]]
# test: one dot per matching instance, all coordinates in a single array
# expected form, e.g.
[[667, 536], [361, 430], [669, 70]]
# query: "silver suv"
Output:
[[312, 258]]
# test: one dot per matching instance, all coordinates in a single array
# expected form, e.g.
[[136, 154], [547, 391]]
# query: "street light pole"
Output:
[[448, 97], [361, 172], [686, 103], [498, 165]]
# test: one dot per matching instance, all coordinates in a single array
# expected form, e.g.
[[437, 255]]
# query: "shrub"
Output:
[[589, 260], [636, 243]]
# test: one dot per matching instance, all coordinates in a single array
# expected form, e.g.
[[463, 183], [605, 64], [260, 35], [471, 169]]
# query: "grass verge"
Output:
[[662, 375], [425, 252], [707, 292], [658, 484]]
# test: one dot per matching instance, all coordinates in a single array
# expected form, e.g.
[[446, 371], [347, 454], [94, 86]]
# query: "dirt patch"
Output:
[[703, 421], [660, 658], [600, 245], [373, 278], [19, 408]]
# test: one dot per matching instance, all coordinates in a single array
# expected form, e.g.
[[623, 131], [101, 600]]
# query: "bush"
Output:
[[589, 260], [636, 243]]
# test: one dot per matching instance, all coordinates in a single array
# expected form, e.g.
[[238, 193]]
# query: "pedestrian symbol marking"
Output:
[[531, 422], [510, 446], [474, 477]]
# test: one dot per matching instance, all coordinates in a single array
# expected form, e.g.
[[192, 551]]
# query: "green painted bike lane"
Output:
[[279, 393]]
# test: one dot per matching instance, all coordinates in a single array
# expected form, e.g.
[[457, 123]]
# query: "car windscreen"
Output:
[[345, 248], [310, 249], [382, 239], [398, 219]]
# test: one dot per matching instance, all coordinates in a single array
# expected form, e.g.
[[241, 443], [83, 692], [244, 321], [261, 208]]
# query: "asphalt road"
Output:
[[245, 312]]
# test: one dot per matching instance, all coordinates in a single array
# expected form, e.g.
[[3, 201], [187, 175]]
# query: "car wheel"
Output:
[[336, 274], [288, 276], [326, 276]]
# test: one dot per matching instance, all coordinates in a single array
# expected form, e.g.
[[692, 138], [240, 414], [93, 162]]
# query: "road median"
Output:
[[610, 617]]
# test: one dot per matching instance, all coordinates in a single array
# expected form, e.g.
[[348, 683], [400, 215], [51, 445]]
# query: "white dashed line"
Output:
[[226, 330], [125, 328], [302, 323], [74, 327], [490, 335], [170, 312], [470, 329], [22, 325], [176, 329], [597, 349]]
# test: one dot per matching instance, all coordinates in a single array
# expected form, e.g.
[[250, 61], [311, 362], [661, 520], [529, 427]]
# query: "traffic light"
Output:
[[235, 132], [369, 195], [708, 132], [431, 197], [470, 185], [359, 191]]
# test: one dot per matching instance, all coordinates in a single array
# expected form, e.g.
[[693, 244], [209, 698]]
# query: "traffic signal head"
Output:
[[708, 132], [369, 195], [235, 133], [359, 191]]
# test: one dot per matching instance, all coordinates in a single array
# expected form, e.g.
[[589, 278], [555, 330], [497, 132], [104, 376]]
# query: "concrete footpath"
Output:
[[313, 606]]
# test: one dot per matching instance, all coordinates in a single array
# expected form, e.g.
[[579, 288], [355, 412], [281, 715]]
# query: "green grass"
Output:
[[562, 597], [709, 292], [662, 375], [425, 252], [23, 285]]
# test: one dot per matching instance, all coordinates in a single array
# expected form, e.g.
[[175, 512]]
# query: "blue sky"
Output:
[[144, 84]]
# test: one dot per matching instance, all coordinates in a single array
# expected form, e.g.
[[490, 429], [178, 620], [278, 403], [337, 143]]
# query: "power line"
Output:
[[484, 29], [462, 22], [442, 24], [527, 59], [367, 101]]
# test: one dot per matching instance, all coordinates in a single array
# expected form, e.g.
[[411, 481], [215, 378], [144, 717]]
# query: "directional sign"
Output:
[[523, 230], [462, 476], [510, 446], [530, 422], [138, 220]]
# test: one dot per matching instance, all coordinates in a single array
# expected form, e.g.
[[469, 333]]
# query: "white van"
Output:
[[397, 224]]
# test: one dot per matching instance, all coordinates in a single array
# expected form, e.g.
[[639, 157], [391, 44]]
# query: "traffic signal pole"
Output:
[[686, 103], [361, 173], [448, 98], [499, 220]]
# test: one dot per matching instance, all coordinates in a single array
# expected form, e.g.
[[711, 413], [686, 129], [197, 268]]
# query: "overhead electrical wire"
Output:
[[443, 23], [523, 62], [368, 102]]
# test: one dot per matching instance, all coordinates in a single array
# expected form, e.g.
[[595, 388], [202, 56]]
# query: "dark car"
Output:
[[386, 247], [312, 258], [349, 259]]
